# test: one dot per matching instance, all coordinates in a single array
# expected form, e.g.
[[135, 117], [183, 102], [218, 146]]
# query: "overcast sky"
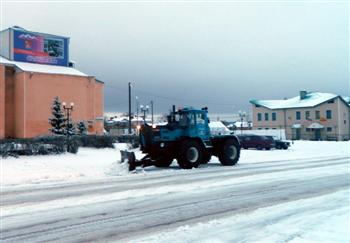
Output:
[[215, 54]]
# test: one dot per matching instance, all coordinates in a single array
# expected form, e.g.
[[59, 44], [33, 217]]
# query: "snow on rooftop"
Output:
[[347, 99], [312, 99], [42, 68]]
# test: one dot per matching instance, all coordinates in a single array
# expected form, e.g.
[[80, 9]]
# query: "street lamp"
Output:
[[241, 114], [144, 109], [68, 110]]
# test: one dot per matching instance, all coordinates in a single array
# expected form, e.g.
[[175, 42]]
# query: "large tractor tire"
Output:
[[164, 161], [190, 155], [230, 152], [206, 158]]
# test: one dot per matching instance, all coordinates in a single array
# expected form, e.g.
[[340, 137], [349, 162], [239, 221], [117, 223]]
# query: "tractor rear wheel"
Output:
[[230, 152], [164, 161], [191, 154]]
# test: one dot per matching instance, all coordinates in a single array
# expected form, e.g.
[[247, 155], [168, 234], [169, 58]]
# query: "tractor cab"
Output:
[[188, 122]]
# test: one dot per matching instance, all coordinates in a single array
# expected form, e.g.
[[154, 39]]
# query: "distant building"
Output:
[[35, 68], [310, 116], [120, 125]]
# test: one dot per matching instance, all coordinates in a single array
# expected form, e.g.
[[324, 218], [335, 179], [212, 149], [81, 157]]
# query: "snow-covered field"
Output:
[[297, 195]]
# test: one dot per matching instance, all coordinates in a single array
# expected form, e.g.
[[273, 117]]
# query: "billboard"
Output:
[[40, 48]]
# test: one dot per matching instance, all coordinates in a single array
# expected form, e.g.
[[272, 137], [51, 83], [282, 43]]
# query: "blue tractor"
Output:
[[185, 137]]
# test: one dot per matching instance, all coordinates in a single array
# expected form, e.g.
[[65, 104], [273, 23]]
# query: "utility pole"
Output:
[[152, 110], [137, 111], [129, 107]]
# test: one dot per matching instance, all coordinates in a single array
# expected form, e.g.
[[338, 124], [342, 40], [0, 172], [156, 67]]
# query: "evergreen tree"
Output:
[[82, 128], [57, 121], [70, 128]]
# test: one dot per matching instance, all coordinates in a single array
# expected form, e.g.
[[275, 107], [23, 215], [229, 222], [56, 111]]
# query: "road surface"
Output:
[[130, 207]]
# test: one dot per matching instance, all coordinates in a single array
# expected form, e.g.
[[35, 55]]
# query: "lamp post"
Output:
[[68, 110], [144, 109], [241, 114], [129, 85], [152, 110]]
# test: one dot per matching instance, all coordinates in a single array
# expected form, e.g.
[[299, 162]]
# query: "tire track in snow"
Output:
[[24, 197], [116, 221], [211, 168]]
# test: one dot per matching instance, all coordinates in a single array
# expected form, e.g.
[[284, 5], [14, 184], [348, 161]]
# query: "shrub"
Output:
[[97, 141], [33, 146], [58, 144]]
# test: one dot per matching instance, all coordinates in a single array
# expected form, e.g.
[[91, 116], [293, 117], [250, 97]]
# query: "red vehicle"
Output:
[[255, 141]]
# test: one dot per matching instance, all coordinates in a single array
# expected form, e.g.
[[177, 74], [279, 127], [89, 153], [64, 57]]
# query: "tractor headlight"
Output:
[[162, 145], [154, 126]]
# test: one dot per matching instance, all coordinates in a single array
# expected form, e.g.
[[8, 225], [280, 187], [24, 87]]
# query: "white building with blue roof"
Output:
[[309, 116]]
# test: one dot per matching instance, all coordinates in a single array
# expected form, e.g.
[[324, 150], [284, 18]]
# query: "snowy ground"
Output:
[[94, 164], [296, 195]]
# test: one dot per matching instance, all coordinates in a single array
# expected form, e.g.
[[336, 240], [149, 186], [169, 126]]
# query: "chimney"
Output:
[[302, 94]]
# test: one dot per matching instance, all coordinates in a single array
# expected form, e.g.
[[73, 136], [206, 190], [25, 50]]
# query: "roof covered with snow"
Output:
[[347, 99], [42, 68], [311, 99]]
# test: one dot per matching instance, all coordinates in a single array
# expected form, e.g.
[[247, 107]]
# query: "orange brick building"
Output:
[[27, 91]]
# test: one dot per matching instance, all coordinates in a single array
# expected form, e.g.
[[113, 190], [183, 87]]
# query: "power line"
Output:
[[120, 89]]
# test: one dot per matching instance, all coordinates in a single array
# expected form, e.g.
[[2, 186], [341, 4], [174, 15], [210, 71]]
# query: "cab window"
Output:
[[200, 118]]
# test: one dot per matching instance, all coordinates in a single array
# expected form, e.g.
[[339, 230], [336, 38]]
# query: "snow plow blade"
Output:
[[128, 157], [133, 163]]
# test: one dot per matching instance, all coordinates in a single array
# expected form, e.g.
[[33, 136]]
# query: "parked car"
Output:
[[256, 141], [280, 144]]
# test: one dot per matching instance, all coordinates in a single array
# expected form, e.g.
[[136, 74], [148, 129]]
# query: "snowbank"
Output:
[[87, 164]]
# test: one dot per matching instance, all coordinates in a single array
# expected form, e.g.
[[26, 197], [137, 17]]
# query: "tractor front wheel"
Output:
[[206, 157], [190, 155], [230, 152]]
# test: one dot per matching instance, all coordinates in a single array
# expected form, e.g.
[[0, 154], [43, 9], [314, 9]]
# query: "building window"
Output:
[[329, 114], [259, 116], [307, 115], [259, 128], [274, 128], [257, 106], [308, 129], [331, 101], [329, 129], [274, 116], [266, 116], [317, 115], [266, 128], [298, 115]]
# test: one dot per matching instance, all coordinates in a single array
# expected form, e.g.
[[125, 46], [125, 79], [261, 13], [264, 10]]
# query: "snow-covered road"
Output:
[[271, 201]]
